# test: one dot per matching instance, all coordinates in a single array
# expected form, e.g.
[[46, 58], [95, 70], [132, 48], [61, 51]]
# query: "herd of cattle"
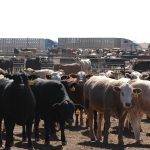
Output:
[[31, 95]]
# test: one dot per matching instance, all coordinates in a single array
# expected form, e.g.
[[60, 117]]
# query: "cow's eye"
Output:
[[122, 93]]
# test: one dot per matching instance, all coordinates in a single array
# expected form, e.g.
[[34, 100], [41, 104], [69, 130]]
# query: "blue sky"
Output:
[[75, 18]]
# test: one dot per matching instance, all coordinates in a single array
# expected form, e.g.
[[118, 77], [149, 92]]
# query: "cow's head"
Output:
[[20, 79], [81, 77], [126, 92], [65, 110]]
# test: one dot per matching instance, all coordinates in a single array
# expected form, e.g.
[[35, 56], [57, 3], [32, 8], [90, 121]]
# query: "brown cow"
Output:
[[108, 97], [70, 68], [75, 91]]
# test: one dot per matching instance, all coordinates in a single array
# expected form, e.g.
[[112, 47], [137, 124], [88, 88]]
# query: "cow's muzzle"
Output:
[[128, 105]]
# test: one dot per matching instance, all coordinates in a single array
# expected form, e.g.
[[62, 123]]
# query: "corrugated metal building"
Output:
[[96, 43], [8, 44]]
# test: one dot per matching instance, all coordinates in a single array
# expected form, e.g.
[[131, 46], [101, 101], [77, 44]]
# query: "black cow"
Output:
[[18, 107], [53, 105], [7, 65], [141, 65], [3, 82], [33, 63]]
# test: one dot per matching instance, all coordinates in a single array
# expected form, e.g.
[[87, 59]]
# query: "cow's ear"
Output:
[[137, 90], [116, 89], [57, 105], [64, 77], [145, 76], [9, 76], [127, 75], [48, 76], [89, 75]]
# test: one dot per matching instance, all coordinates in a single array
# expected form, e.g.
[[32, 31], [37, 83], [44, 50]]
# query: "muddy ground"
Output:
[[78, 139]]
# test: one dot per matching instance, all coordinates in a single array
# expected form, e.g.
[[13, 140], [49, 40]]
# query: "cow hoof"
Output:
[[139, 142], [47, 142], [37, 139], [76, 124], [64, 143], [93, 139], [7, 148], [99, 138], [81, 124], [31, 148], [12, 143], [1, 144], [24, 139], [105, 142], [121, 143]]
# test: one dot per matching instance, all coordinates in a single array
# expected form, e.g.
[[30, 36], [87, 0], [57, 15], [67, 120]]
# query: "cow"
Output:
[[108, 97], [85, 65], [141, 106], [70, 68], [42, 73], [33, 63], [3, 82], [6, 65], [56, 75], [18, 107], [53, 105], [75, 83], [141, 65]]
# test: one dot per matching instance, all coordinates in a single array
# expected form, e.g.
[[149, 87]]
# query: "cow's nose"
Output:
[[80, 81], [128, 104]]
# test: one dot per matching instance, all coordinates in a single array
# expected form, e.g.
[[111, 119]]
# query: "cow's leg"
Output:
[[29, 132], [95, 121], [81, 117], [87, 122], [47, 130], [90, 119], [99, 129], [53, 130], [106, 126], [120, 128], [62, 128], [76, 119], [36, 127], [9, 125], [1, 143], [24, 136], [135, 123]]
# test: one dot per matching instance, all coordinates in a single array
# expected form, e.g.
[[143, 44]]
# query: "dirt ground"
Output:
[[78, 139]]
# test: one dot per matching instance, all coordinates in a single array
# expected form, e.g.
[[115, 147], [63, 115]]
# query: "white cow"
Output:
[[141, 106], [86, 65], [40, 73]]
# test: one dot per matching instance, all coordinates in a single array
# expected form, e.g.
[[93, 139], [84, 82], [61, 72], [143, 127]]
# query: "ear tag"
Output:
[[77, 112], [73, 89], [30, 82], [136, 95]]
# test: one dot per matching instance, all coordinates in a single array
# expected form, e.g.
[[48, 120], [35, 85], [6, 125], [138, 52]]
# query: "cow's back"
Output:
[[99, 91], [70, 68], [91, 88]]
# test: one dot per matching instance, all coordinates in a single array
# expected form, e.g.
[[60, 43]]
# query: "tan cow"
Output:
[[42, 73], [108, 97]]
